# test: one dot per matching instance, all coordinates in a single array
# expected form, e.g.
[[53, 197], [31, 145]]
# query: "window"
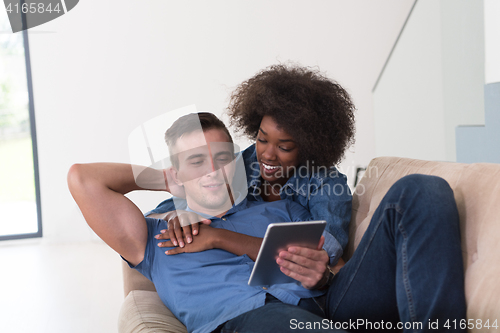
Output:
[[20, 214]]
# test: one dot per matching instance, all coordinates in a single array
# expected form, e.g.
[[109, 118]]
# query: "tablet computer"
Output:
[[279, 237]]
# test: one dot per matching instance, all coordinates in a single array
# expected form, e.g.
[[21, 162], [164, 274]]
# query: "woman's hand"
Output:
[[308, 266], [338, 266], [182, 225], [207, 241]]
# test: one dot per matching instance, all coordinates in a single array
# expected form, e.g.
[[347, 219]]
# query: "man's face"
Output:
[[205, 170]]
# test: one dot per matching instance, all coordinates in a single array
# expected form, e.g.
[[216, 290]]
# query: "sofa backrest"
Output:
[[477, 193]]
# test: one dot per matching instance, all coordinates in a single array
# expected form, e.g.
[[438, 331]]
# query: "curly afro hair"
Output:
[[316, 111]]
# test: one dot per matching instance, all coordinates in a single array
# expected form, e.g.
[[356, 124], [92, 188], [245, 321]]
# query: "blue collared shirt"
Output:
[[206, 289], [324, 193]]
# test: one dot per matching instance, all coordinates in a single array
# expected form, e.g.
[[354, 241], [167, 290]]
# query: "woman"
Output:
[[302, 123]]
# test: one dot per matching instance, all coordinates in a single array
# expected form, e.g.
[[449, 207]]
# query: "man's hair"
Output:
[[190, 123]]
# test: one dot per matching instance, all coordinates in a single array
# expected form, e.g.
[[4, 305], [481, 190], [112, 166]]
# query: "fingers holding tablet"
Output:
[[290, 252], [308, 266]]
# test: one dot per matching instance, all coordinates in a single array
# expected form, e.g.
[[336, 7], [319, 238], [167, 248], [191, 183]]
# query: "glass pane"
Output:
[[17, 182]]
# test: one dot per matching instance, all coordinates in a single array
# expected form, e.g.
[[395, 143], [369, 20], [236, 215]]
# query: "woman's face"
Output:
[[277, 152]]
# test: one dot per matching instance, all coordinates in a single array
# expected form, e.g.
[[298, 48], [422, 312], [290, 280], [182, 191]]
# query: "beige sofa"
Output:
[[477, 192]]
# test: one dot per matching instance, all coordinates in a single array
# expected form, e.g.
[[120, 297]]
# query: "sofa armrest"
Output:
[[133, 280], [144, 312]]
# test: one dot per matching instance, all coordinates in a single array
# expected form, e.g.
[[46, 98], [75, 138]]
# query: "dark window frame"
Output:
[[34, 145]]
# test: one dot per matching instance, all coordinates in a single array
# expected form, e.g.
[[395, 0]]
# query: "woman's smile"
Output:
[[277, 152]]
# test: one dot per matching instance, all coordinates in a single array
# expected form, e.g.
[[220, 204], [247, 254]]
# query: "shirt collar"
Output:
[[242, 204]]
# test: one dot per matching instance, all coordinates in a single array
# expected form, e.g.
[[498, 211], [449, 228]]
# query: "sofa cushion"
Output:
[[143, 311], [477, 192]]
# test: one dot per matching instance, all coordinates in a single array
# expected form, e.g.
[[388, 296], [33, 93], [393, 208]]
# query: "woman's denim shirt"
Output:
[[325, 194]]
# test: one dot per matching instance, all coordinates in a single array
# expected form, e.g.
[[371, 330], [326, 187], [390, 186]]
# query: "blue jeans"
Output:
[[407, 270]]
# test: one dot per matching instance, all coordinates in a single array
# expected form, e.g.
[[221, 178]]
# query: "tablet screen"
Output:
[[279, 237]]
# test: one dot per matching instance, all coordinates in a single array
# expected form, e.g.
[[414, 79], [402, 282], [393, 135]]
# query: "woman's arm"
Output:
[[217, 238], [308, 266], [331, 200]]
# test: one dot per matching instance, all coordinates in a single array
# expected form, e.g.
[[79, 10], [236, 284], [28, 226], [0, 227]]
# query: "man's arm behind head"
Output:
[[98, 189]]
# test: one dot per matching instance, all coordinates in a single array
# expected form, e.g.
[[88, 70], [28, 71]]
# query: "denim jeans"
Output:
[[407, 272]]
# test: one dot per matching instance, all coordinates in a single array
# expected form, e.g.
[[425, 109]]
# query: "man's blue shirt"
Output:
[[205, 289]]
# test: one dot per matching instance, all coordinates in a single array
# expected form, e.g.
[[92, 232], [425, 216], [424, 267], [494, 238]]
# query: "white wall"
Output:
[[107, 66], [463, 67], [407, 121], [492, 40], [433, 82]]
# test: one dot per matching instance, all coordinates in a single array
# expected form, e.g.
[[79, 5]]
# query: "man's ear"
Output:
[[175, 176]]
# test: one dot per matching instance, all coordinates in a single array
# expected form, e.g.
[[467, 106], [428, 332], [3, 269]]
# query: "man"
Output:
[[216, 274]]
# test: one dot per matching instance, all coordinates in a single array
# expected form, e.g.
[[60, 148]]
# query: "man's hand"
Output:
[[207, 240], [182, 225], [308, 266]]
